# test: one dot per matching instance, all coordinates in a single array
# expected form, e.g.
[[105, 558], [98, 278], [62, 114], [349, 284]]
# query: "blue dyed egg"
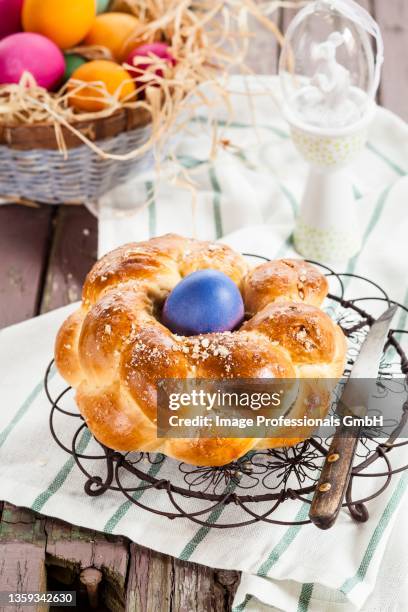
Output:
[[203, 302]]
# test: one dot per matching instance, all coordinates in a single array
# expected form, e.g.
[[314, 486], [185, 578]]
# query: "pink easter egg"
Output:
[[10, 17], [158, 49], [34, 53]]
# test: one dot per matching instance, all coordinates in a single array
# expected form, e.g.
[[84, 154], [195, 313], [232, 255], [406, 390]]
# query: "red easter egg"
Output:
[[10, 17], [157, 49]]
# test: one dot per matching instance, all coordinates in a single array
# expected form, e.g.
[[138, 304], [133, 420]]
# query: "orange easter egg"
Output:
[[92, 98], [114, 31], [65, 22]]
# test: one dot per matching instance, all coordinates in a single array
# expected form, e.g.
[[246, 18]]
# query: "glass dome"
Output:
[[328, 69]]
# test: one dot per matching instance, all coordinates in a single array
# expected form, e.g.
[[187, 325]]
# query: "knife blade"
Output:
[[336, 471]]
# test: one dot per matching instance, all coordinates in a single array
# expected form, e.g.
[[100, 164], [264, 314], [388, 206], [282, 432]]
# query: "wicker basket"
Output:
[[32, 168]]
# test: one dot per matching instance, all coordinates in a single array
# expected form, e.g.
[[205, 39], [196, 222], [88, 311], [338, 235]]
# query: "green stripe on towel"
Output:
[[284, 543], [118, 515], [377, 535], [386, 159], [240, 607], [291, 199], [357, 193], [204, 530], [285, 246], [378, 210], [375, 217], [152, 208], [23, 409], [62, 475], [187, 161], [201, 534], [216, 204], [305, 597]]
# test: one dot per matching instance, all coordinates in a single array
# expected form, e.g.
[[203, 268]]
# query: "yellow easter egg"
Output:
[[92, 97], [65, 22], [114, 31]]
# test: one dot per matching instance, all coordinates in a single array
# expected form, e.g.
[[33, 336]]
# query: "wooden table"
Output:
[[45, 253]]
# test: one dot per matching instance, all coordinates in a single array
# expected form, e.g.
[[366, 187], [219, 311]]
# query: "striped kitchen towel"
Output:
[[248, 196]]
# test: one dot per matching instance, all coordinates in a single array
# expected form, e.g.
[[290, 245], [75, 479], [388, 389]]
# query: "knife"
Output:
[[336, 471]]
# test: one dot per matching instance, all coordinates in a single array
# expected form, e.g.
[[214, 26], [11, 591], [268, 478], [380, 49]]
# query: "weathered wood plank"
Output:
[[228, 582], [150, 581], [196, 589], [72, 255], [71, 549], [22, 552], [23, 252], [30, 525], [23, 255], [393, 19]]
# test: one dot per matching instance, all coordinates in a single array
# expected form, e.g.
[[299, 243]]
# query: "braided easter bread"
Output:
[[113, 350]]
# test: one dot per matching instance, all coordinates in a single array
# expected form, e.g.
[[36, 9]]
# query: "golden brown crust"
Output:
[[208, 451], [107, 328], [141, 263], [66, 348], [111, 416], [289, 280], [160, 263], [203, 255], [305, 331], [114, 350], [153, 355]]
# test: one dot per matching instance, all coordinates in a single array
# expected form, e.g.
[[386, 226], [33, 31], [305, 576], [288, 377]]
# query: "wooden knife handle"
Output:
[[334, 477]]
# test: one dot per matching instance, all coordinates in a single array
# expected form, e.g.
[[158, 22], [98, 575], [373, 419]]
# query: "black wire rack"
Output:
[[252, 488]]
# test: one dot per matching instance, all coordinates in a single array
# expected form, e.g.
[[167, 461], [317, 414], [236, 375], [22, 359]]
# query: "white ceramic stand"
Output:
[[327, 228]]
